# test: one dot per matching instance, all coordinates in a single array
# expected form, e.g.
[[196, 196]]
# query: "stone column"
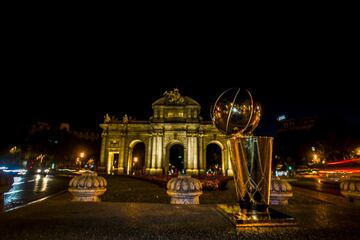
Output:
[[148, 156], [350, 188], [106, 153], [195, 156], [229, 170], [192, 155], [159, 144], [201, 154], [88, 187], [102, 165], [153, 155], [188, 162], [165, 165], [224, 163], [184, 190], [280, 191], [122, 158], [156, 152]]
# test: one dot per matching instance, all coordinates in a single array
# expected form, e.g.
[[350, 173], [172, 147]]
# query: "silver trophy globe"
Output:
[[236, 114]]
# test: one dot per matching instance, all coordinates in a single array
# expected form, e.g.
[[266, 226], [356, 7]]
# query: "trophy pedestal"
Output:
[[270, 218]]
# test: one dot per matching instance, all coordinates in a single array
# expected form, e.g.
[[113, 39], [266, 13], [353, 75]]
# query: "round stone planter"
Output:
[[280, 191], [184, 190], [88, 187], [350, 188], [6, 182]]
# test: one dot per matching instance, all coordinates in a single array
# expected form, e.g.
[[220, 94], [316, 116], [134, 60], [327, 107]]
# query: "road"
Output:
[[318, 185], [26, 189]]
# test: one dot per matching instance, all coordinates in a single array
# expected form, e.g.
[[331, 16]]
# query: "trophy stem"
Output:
[[251, 159]]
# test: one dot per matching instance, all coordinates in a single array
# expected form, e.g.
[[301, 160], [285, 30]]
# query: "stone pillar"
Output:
[[148, 156], [280, 191], [159, 151], [153, 153], [103, 158], [106, 153], [192, 167], [184, 190], [156, 154], [350, 188], [122, 158], [153, 156], [201, 154], [164, 164], [109, 162], [88, 187], [195, 154], [188, 162], [229, 170]]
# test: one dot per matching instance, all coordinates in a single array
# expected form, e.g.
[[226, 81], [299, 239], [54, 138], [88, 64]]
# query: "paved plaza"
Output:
[[139, 210]]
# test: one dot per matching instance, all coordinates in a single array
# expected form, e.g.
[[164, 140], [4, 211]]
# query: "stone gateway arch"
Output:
[[175, 126]]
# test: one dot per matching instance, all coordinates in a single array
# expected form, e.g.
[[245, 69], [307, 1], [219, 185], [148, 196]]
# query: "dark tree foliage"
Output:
[[59, 146], [331, 136]]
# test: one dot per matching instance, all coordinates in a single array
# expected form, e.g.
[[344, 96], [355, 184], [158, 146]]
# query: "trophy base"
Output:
[[271, 218]]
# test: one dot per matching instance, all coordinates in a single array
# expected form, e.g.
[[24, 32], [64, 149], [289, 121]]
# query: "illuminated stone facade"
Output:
[[175, 121]]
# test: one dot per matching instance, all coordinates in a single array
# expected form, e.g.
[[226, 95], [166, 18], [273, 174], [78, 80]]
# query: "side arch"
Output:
[[136, 162], [215, 157]]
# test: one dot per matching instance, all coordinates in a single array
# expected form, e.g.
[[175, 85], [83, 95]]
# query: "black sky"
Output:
[[77, 74]]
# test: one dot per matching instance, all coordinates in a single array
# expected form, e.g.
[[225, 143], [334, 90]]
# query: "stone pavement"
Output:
[[319, 216]]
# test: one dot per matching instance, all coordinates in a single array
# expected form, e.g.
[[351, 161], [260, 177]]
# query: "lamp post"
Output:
[[135, 164], [82, 155]]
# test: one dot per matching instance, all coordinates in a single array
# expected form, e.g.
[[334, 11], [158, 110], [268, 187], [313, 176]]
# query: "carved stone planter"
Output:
[[6, 182], [350, 188], [280, 191], [88, 187], [184, 190]]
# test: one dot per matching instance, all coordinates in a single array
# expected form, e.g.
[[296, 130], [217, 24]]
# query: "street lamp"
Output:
[[134, 165], [78, 162], [82, 155]]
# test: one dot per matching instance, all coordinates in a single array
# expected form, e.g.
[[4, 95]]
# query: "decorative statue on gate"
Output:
[[236, 114], [107, 118], [174, 97], [125, 119]]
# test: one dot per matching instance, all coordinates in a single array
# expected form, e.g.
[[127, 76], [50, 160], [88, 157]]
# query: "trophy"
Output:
[[237, 115]]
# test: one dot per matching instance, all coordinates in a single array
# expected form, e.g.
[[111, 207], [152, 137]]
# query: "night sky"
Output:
[[78, 76]]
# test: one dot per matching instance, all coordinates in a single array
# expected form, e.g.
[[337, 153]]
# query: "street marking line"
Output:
[[35, 201], [15, 191]]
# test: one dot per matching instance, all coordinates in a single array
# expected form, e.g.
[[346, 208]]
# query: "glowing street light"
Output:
[[316, 158], [13, 150], [80, 159], [357, 151]]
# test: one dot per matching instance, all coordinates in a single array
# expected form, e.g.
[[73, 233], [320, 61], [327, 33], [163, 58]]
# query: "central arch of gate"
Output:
[[174, 139], [174, 159]]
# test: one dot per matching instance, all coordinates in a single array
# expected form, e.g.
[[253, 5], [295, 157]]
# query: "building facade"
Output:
[[175, 126]]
